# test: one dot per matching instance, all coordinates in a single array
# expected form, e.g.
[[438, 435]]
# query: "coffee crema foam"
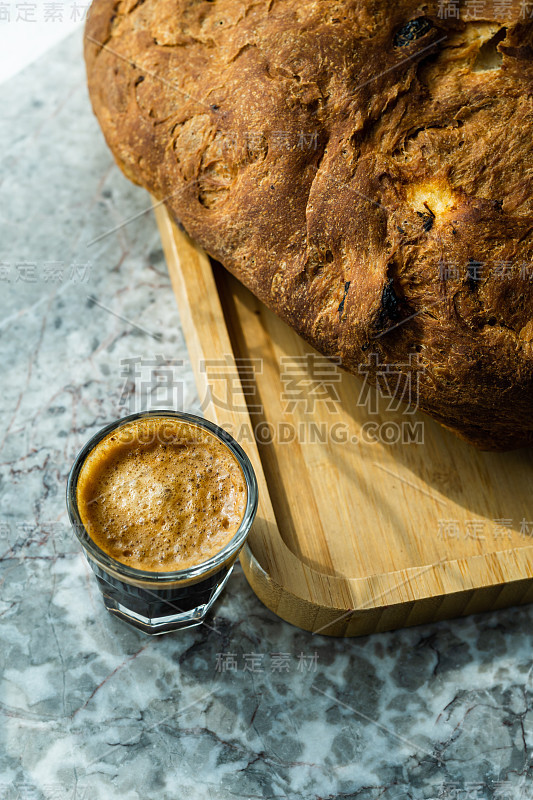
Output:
[[160, 494]]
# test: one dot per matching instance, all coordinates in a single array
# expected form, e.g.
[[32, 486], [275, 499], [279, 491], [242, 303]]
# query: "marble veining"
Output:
[[245, 706]]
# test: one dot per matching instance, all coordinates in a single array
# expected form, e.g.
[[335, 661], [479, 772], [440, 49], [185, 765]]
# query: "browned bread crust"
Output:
[[364, 167]]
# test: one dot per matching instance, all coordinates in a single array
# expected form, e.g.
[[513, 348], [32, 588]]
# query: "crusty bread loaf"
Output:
[[364, 167]]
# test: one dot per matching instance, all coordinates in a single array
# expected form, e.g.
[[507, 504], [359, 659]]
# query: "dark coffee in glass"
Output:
[[162, 503]]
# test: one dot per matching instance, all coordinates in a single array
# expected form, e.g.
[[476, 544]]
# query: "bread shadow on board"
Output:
[[413, 459]]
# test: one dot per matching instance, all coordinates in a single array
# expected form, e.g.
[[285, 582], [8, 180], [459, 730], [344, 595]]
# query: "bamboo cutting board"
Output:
[[370, 518]]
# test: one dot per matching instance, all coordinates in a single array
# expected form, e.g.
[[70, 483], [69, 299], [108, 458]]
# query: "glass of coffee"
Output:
[[161, 502]]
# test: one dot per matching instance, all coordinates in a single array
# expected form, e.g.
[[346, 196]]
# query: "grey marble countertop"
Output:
[[245, 706]]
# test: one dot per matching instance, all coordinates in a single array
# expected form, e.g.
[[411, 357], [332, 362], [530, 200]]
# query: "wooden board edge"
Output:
[[285, 590], [336, 622]]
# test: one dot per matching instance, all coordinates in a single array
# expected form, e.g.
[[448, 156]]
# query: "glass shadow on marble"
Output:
[[161, 602]]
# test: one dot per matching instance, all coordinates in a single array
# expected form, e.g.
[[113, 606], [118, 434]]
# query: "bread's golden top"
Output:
[[365, 168]]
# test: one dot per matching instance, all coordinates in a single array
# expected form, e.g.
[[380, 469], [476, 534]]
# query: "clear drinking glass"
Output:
[[160, 602]]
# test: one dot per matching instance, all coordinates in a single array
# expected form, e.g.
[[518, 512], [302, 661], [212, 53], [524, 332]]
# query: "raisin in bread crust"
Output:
[[365, 168]]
